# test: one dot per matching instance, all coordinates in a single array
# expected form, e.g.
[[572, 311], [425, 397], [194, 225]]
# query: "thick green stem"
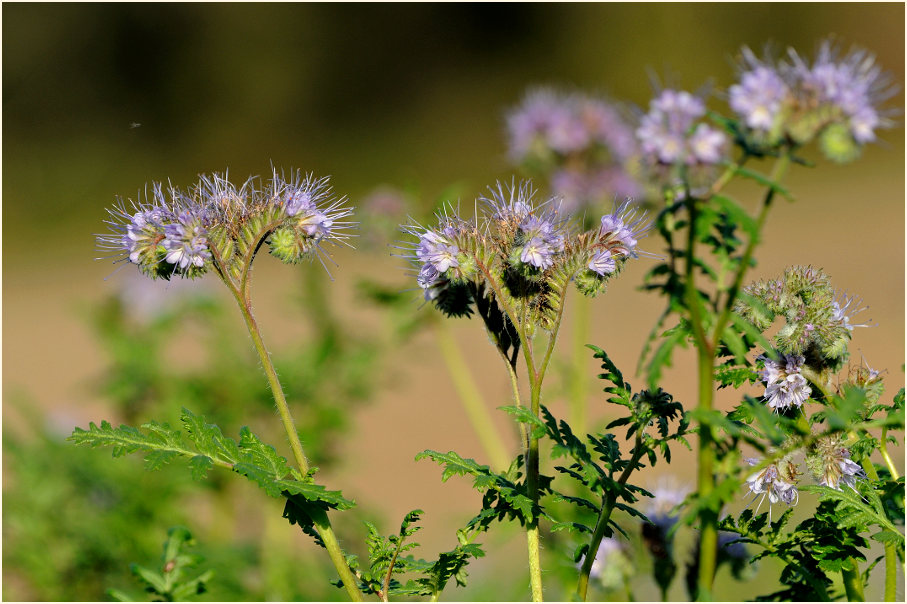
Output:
[[479, 418], [282, 408], [853, 584], [601, 525], [708, 518], [581, 318], [883, 449], [532, 484], [322, 523], [891, 572]]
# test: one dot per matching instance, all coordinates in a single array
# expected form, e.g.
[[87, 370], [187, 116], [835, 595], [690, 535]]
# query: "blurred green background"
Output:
[[406, 95]]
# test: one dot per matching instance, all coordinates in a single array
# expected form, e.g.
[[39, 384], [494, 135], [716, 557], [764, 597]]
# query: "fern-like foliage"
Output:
[[205, 446], [388, 561], [505, 497]]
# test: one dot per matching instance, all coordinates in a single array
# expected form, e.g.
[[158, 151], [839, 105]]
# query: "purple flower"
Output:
[[777, 481], [832, 466], [602, 262], [625, 228], [666, 133], [840, 309], [538, 253], [437, 250], [707, 145], [185, 242], [431, 281], [854, 84], [785, 385], [759, 96]]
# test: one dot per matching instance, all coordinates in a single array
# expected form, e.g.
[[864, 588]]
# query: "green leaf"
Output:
[[764, 181], [523, 415], [257, 461]]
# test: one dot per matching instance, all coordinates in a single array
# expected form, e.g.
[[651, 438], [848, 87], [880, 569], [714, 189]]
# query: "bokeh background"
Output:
[[100, 99]]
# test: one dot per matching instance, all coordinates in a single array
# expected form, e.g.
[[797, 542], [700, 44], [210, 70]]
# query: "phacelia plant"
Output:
[[808, 422]]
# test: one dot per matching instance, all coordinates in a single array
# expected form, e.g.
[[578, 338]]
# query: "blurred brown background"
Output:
[[407, 95]]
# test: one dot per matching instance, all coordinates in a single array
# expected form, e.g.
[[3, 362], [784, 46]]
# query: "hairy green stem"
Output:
[[891, 553], [853, 583], [473, 404], [577, 400], [532, 484], [883, 449], [602, 524], [891, 572], [708, 518], [322, 523]]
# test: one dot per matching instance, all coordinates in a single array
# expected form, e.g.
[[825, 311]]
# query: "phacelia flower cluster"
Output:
[[785, 386], [817, 325], [836, 99], [777, 481], [671, 132], [581, 143], [519, 249], [832, 466], [216, 223]]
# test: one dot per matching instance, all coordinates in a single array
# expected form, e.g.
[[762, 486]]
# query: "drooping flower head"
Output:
[[581, 143], [216, 223], [785, 386]]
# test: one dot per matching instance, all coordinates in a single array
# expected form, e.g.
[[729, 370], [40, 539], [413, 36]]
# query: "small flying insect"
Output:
[[133, 125]]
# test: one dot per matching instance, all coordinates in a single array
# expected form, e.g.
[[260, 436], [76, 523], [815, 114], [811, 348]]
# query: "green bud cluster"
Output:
[[804, 298]]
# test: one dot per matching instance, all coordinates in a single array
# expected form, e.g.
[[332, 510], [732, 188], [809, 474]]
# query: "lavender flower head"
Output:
[[777, 481], [785, 386], [624, 227], [185, 241], [832, 466], [853, 84], [760, 95], [518, 251], [537, 231], [836, 99], [669, 134], [186, 233], [581, 143]]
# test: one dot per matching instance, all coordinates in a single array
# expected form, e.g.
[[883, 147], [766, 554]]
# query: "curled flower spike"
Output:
[[830, 463], [836, 99], [785, 386], [816, 325], [518, 252], [217, 224], [777, 481]]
